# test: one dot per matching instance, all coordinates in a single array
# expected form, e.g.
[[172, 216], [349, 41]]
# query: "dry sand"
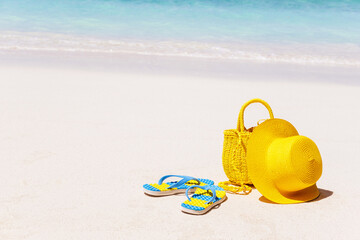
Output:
[[77, 143]]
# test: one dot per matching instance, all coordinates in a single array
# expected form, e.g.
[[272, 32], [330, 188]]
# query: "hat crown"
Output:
[[295, 163]]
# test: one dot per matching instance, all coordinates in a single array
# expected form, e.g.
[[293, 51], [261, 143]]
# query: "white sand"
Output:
[[78, 143]]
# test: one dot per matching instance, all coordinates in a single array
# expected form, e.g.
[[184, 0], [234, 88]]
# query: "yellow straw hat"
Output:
[[282, 165]]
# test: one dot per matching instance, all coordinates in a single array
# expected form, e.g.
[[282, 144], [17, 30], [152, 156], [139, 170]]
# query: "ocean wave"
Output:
[[329, 54]]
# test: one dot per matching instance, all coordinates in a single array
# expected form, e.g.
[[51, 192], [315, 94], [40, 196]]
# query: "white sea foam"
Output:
[[329, 54]]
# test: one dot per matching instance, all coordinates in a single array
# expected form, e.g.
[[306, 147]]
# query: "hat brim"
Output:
[[258, 144]]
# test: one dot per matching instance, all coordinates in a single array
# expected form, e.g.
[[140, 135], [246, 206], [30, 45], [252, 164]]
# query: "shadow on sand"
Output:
[[323, 194]]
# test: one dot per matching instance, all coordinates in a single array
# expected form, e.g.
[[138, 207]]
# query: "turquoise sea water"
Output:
[[225, 24]]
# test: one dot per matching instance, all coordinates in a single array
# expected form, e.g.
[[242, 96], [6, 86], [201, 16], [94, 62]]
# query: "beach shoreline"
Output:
[[183, 66], [306, 53]]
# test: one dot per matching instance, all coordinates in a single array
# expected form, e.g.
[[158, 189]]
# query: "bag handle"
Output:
[[240, 124]]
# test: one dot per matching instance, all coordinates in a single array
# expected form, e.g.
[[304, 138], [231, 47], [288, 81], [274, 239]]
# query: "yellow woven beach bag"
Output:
[[234, 153]]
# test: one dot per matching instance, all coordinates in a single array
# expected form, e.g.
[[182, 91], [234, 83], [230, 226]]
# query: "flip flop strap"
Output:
[[184, 179], [206, 187]]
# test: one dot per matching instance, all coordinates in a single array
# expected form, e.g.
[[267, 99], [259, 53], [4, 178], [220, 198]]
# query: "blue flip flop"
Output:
[[175, 187], [204, 199]]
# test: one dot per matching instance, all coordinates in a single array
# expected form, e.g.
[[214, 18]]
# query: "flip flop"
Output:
[[203, 200], [175, 187]]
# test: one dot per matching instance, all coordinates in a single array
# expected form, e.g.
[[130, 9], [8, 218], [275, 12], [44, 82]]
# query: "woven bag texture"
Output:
[[234, 153]]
